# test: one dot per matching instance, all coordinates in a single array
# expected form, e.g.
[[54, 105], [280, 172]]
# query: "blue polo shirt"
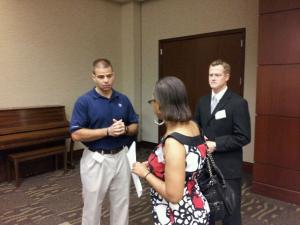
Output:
[[94, 111]]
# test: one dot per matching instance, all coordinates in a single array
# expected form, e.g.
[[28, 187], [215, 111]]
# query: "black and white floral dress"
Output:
[[192, 209]]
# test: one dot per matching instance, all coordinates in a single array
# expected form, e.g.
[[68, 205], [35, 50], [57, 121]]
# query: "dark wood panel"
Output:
[[277, 142], [279, 38], [267, 6], [277, 176], [276, 192], [278, 90], [276, 171]]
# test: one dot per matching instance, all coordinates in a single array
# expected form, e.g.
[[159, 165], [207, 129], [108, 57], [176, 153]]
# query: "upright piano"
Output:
[[27, 127]]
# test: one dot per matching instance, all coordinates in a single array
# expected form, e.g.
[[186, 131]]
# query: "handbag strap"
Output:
[[213, 168]]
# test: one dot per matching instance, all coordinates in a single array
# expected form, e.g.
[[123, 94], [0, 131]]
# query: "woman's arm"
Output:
[[172, 188]]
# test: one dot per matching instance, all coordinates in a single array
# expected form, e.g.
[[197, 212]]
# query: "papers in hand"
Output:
[[131, 155]]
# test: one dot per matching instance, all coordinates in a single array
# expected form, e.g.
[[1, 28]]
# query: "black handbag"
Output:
[[220, 196]]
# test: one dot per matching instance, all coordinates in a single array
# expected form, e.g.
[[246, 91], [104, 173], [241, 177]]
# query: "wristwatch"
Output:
[[126, 129]]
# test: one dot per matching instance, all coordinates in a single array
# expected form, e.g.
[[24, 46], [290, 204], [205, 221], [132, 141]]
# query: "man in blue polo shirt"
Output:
[[105, 122]]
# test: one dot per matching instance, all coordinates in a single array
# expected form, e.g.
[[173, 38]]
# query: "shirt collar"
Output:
[[95, 94], [219, 95]]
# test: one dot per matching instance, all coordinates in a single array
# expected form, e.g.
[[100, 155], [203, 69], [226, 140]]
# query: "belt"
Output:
[[110, 151]]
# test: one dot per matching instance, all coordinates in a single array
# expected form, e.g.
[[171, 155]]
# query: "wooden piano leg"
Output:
[[8, 172], [71, 150], [65, 159], [16, 165], [56, 161]]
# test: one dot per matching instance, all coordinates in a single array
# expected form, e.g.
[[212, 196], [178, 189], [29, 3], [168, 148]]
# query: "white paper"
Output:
[[220, 114], [98, 157], [131, 155]]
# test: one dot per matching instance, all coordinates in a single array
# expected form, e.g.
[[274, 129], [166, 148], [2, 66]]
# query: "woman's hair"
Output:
[[171, 95]]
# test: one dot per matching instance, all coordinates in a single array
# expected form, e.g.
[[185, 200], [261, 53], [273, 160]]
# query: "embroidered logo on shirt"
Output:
[[120, 105]]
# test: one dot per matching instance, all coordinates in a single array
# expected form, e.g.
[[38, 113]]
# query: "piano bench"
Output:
[[16, 158]]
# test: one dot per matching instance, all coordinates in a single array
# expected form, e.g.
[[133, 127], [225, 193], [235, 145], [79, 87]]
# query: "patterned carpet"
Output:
[[54, 198]]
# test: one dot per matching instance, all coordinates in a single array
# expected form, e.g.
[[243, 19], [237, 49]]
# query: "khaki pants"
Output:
[[112, 175]]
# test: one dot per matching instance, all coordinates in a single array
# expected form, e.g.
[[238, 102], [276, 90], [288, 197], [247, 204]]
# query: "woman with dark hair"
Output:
[[174, 165]]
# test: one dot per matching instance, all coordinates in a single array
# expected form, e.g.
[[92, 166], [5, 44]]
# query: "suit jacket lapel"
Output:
[[207, 108]]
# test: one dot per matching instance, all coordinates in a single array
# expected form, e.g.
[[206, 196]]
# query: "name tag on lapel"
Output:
[[220, 114]]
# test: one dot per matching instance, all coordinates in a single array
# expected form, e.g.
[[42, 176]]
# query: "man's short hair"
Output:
[[226, 66], [102, 62]]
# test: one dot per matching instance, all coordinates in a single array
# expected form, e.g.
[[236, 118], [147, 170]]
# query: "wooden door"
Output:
[[188, 58]]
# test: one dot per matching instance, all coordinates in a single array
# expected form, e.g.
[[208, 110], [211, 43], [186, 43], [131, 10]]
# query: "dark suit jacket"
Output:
[[230, 133]]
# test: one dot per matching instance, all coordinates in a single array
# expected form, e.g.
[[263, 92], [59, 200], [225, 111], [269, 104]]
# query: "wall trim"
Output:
[[146, 144], [276, 192], [248, 167]]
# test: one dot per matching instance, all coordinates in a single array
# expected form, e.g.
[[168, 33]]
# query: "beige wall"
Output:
[[175, 18], [131, 54], [46, 48]]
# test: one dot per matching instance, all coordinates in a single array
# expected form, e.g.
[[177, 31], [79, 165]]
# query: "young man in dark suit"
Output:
[[224, 119]]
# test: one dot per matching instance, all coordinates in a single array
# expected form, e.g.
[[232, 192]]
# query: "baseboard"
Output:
[[248, 167], [276, 192], [77, 153], [146, 144]]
